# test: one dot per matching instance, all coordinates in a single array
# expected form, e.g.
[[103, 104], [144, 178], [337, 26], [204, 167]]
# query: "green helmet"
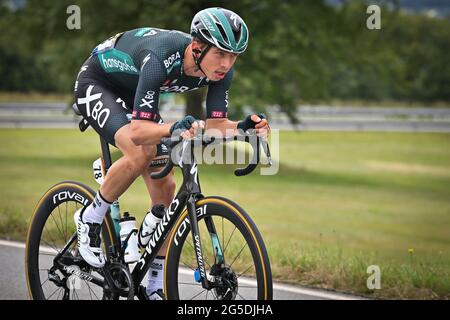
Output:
[[221, 28]]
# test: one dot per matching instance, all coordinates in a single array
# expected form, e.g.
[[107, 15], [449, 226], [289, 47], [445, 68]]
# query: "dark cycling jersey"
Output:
[[148, 61], [125, 75]]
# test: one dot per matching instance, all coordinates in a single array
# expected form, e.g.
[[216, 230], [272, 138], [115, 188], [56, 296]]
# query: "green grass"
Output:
[[340, 203]]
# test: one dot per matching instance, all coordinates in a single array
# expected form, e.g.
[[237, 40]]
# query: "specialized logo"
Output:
[[147, 57], [119, 100], [198, 250], [117, 61], [226, 99], [234, 19], [97, 112], [194, 172], [158, 232], [83, 68], [75, 270]]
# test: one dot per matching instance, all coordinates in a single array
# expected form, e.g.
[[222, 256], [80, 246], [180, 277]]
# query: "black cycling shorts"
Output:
[[106, 108]]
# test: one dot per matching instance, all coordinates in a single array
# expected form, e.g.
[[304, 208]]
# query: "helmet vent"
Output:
[[223, 33]]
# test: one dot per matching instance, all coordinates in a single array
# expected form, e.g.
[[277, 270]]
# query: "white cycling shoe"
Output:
[[88, 238], [156, 295], [149, 225]]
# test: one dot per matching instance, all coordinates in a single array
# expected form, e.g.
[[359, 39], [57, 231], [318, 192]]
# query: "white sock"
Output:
[[96, 211], [155, 275]]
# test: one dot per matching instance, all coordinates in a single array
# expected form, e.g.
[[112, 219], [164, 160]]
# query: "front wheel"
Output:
[[234, 253]]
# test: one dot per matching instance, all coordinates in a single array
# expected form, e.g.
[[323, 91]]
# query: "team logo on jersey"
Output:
[[148, 100], [117, 61], [172, 61], [96, 112]]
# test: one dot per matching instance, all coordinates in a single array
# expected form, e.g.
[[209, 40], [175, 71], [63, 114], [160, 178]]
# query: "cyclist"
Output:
[[117, 91]]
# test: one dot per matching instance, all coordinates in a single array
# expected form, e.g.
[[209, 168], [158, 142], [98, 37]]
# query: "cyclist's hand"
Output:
[[186, 127], [255, 121], [191, 132]]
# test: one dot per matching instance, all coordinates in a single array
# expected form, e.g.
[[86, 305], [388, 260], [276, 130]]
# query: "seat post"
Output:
[[106, 154]]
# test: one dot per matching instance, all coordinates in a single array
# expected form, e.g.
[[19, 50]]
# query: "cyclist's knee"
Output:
[[149, 151], [169, 184]]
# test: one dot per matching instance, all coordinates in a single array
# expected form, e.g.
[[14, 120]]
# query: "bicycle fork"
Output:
[[219, 259]]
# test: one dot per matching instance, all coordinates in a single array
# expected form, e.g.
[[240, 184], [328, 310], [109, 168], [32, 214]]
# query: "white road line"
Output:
[[276, 286]]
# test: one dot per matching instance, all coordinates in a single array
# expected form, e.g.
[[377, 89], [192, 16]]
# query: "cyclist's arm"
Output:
[[144, 124], [217, 105]]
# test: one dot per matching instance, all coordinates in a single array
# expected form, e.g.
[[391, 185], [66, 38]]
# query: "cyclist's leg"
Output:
[[106, 112], [161, 190], [125, 170]]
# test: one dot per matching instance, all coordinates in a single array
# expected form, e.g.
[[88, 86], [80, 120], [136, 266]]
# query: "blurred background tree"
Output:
[[300, 51]]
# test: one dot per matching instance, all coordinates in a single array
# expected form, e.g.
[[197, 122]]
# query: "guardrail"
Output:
[[313, 118]]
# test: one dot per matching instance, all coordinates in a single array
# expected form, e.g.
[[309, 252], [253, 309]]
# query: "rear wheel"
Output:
[[54, 267], [239, 270]]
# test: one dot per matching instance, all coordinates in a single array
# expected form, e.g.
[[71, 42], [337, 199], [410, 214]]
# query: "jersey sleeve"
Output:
[[217, 97], [146, 99]]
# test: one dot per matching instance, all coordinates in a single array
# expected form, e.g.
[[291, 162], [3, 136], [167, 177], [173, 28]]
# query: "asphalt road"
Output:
[[13, 283]]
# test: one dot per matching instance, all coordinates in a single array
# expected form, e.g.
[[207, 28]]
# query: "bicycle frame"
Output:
[[188, 194]]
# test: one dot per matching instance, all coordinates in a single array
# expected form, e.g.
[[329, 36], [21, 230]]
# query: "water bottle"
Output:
[[115, 215], [128, 225]]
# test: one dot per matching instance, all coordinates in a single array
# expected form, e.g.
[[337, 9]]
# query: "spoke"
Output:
[[54, 220], [54, 293], [44, 282], [198, 294], [239, 254], [51, 239], [229, 239], [245, 271], [47, 254], [213, 293], [190, 283], [62, 224], [248, 287], [204, 259], [59, 292], [188, 265], [240, 296], [90, 290], [223, 241]]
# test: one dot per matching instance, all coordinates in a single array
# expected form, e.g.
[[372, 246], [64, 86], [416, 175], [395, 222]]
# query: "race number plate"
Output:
[[99, 171]]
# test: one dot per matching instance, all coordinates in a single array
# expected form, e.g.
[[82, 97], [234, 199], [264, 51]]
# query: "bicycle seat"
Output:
[[83, 124]]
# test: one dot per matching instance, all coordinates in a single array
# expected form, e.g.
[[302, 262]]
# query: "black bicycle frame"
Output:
[[188, 194]]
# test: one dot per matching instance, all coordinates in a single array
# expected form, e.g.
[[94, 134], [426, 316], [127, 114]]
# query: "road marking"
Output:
[[247, 281]]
